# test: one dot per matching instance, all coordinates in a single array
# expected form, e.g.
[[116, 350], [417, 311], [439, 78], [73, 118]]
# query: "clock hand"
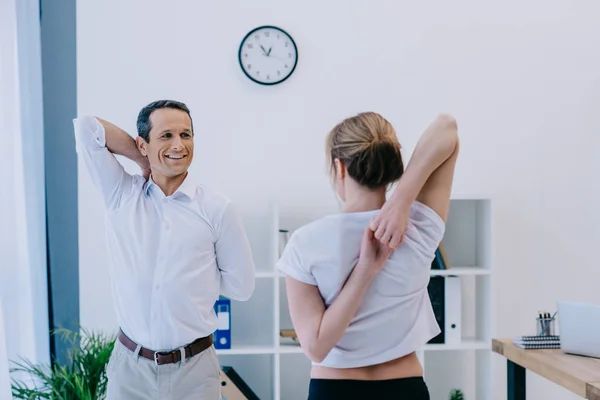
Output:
[[263, 49], [270, 48]]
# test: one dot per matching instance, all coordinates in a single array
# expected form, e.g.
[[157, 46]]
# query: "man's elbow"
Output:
[[244, 291], [247, 292]]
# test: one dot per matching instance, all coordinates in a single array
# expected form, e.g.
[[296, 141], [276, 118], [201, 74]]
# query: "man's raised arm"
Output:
[[119, 142], [96, 141]]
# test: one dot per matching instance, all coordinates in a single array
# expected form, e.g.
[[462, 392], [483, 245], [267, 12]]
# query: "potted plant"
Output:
[[83, 377], [456, 394]]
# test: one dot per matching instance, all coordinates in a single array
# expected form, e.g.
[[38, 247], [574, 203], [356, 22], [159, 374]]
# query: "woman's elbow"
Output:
[[447, 121], [314, 353], [316, 358]]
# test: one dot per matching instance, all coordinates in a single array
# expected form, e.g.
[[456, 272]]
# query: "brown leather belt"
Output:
[[168, 357]]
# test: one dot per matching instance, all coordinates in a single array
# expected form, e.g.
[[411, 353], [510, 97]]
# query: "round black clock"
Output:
[[268, 55]]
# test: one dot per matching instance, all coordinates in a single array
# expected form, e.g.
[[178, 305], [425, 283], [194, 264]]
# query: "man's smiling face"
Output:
[[170, 149]]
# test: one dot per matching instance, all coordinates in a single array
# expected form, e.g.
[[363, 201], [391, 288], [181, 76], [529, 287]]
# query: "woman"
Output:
[[357, 281]]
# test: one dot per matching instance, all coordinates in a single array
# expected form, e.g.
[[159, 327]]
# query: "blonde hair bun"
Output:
[[367, 145]]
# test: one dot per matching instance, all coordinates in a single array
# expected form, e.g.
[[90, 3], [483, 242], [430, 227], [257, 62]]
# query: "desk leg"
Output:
[[516, 381]]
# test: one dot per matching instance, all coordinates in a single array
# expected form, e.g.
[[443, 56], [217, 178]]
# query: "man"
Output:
[[174, 247]]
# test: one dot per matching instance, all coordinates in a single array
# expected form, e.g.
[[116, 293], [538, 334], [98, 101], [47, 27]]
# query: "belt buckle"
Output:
[[156, 358]]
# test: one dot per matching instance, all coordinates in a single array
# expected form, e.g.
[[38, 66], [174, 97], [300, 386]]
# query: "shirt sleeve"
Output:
[[106, 172], [234, 257], [428, 228], [291, 262]]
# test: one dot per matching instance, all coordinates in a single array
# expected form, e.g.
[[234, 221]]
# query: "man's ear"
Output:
[[141, 145], [340, 168]]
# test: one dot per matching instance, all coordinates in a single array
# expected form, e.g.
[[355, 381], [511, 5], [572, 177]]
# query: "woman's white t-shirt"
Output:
[[395, 317]]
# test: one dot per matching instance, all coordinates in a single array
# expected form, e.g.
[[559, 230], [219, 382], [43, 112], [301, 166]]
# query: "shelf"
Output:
[[461, 271], [466, 344], [468, 244], [237, 350], [283, 349]]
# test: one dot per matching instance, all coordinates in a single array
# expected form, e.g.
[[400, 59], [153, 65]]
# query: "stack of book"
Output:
[[538, 342]]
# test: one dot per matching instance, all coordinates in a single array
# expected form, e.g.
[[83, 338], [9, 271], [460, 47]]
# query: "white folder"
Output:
[[453, 310]]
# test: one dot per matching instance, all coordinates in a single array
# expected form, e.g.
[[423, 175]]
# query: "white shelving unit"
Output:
[[279, 370]]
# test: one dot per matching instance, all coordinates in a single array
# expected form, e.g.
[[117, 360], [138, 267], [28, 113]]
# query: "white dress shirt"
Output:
[[395, 317], [171, 256]]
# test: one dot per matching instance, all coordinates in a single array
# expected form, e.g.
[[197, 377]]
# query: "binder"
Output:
[[222, 336], [453, 310], [440, 260], [436, 289], [446, 300]]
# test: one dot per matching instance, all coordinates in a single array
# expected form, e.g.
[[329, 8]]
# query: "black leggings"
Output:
[[346, 389]]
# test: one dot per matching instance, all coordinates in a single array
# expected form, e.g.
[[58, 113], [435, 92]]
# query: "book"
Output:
[[290, 333], [537, 341], [535, 338], [538, 345], [288, 337]]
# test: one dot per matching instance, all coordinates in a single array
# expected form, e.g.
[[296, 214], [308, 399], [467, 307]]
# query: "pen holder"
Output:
[[545, 326]]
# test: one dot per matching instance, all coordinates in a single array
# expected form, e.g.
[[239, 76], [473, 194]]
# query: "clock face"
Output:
[[268, 55]]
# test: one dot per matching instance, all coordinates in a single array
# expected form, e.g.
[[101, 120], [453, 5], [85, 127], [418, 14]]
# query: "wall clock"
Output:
[[268, 55]]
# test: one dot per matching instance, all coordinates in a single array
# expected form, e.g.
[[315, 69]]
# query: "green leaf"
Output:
[[82, 377]]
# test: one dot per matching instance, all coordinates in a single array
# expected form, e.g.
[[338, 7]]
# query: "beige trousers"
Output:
[[131, 377]]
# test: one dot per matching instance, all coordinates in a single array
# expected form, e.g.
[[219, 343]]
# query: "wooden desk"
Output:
[[580, 375]]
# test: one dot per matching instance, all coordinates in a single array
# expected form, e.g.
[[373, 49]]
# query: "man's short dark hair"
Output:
[[143, 121]]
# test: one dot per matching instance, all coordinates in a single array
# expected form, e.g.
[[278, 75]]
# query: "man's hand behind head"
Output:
[[145, 168]]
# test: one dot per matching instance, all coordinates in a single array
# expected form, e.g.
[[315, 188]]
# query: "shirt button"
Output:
[[161, 258], [167, 225], [156, 287]]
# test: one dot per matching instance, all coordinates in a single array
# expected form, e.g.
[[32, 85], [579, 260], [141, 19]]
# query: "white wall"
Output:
[[23, 293], [522, 78]]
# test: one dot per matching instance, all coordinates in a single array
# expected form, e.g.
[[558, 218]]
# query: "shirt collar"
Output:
[[187, 187]]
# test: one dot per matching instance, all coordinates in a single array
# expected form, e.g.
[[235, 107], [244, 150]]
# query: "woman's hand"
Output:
[[390, 224], [319, 328], [373, 253]]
